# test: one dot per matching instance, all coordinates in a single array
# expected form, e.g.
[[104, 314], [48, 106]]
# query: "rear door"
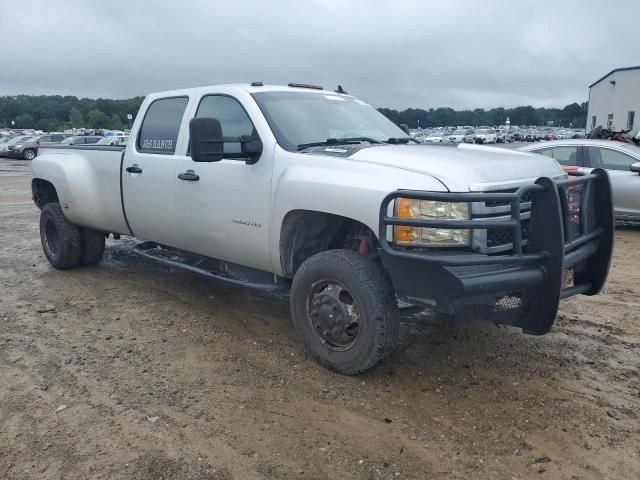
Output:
[[624, 183], [148, 171]]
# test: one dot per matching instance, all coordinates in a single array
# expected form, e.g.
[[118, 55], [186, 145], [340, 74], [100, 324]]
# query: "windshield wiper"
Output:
[[400, 141], [337, 141]]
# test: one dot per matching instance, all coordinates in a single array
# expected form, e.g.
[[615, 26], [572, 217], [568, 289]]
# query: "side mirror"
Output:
[[405, 128], [251, 147], [205, 139], [635, 167], [206, 143]]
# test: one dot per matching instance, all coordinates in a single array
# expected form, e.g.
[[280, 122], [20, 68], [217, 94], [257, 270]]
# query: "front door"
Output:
[[625, 184], [148, 172], [223, 208]]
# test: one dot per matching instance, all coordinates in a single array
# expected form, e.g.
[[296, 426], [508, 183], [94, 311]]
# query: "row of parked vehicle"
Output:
[[25, 146], [485, 135]]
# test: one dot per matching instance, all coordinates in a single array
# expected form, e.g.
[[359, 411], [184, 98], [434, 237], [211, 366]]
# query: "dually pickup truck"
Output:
[[300, 188]]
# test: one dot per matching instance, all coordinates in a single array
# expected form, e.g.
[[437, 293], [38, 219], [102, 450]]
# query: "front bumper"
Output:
[[15, 153], [567, 252]]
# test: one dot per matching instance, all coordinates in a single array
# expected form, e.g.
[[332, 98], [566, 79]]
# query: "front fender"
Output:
[[350, 189]]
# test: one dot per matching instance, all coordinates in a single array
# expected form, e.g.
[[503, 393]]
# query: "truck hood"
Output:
[[466, 167]]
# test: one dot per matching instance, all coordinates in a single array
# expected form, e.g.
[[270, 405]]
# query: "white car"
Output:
[[485, 135], [458, 136], [435, 137], [113, 140], [469, 137]]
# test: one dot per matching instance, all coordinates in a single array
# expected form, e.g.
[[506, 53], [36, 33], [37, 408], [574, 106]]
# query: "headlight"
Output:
[[431, 210]]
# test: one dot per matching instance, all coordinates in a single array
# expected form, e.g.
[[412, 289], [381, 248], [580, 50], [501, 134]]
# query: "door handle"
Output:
[[134, 169], [189, 176]]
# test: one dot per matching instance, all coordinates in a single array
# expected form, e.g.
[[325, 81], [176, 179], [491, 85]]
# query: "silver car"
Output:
[[620, 160]]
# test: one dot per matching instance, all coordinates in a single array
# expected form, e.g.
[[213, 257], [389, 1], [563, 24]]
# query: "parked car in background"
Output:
[[81, 140], [620, 160], [4, 147], [485, 135], [113, 141], [28, 149], [434, 137], [457, 136], [470, 136], [530, 136]]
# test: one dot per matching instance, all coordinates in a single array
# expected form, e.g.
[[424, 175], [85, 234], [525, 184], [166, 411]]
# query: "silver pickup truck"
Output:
[[299, 188]]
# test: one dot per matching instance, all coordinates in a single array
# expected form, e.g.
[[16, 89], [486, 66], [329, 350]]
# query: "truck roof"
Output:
[[247, 87]]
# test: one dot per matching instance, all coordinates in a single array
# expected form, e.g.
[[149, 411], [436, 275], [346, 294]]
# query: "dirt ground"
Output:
[[132, 370]]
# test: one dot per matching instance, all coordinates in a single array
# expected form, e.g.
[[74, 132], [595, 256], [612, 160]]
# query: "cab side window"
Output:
[[609, 159], [563, 155], [233, 119], [161, 126]]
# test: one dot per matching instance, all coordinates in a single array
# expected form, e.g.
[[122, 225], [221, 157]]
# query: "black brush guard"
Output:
[[568, 251]]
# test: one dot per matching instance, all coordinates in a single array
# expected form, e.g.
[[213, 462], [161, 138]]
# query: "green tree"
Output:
[[24, 121], [47, 125], [97, 119], [116, 122], [76, 118]]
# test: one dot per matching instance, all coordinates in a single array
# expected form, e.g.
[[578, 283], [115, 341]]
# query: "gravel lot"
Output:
[[133, 370]]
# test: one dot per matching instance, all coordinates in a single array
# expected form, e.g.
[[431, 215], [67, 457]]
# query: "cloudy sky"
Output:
[[392, 53]]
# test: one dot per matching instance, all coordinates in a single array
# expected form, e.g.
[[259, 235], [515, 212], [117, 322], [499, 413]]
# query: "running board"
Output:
[[219, 270]]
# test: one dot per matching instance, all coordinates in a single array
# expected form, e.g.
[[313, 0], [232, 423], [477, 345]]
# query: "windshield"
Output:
[[18, 139], [459, 132], [68, 140], [105, 141], [298, 118]]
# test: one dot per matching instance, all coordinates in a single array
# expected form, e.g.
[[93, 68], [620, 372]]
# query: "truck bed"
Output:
[[94, 172]]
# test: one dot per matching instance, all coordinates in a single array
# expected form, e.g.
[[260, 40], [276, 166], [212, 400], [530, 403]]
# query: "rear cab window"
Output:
[[161, 126]]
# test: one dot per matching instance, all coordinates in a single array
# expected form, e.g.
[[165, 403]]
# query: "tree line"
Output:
[[55, 113], [573, 115]]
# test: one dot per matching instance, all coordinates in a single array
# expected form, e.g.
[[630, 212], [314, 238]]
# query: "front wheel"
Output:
[[344, 308], [29, 154]]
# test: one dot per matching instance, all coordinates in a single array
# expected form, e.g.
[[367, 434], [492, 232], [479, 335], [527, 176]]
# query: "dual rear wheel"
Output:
[[66, 245]]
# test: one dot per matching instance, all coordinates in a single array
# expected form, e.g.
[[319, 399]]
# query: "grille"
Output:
[[497, 237], [526, 198], [578, 211], [573, 194]]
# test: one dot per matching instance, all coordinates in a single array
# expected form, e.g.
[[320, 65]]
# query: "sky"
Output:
[[395, 53]]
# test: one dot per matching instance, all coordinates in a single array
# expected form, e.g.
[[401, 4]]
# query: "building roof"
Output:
[[621, 69]]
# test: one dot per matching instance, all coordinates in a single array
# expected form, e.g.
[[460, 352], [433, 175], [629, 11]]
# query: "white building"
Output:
[[614, 100]]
